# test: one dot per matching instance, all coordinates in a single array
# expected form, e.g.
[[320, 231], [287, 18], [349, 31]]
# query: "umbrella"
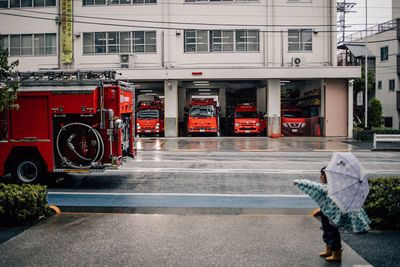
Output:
[[347, 182]]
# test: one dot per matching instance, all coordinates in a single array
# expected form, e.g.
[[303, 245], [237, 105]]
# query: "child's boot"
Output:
[[326, 253], [336, 256]]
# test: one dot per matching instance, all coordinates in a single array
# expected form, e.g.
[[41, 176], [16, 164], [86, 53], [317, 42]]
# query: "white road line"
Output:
[[174, 194], [196, 170]]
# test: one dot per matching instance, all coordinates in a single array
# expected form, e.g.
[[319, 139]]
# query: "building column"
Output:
[[171, 108], [262, 99], [274, 107], [350, 109]]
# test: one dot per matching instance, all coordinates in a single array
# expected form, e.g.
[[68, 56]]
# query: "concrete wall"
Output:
[[267, 16]]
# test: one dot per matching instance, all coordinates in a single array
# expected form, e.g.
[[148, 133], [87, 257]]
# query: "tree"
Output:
[[359, 86], [8, 91], [375, 113]]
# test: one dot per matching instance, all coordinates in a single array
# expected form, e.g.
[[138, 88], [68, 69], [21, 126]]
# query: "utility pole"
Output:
[[343, 8], [366, 66]]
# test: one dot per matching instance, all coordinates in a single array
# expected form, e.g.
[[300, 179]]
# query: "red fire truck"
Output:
[[247, 120], [293, 121], [150, 116], [66, 126], [203, 116]]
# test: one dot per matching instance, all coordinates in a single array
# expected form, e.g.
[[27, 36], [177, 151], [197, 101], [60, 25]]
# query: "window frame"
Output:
[[384, 54], [379, 85], [101, 42], [392, 85], [29, 3], [216, 38], [301, 45]]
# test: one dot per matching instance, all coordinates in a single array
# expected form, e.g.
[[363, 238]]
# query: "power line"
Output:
[[190, 23], [146, 26]]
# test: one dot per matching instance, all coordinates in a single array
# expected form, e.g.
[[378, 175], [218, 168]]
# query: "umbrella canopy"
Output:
[[347, 182]]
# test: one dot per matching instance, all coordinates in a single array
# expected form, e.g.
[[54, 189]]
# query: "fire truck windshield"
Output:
[[202, 111], [246, 114], [292, 114], [148, 114]]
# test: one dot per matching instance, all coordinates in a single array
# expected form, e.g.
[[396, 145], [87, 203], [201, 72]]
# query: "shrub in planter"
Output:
[[368, 135], [383, 203], [22, 204]]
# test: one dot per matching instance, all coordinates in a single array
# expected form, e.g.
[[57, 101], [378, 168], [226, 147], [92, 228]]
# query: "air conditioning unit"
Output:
[[296, 61], [124, 60]]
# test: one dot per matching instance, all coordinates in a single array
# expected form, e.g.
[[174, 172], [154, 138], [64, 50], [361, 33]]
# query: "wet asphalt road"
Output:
[[251, 170]]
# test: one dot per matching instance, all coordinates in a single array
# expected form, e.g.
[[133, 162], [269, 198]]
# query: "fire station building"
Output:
[[277, 54]]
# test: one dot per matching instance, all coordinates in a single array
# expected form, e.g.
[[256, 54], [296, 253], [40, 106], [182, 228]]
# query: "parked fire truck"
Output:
[[203, 116], [247, 120], [293, 121], [150, 116], [66, 126]]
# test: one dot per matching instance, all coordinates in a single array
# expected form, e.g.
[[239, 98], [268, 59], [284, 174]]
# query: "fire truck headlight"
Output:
[[138, 126], [302, 124], [257, 124], [285, 124], [157, 126], [237, 124], [118, 123]]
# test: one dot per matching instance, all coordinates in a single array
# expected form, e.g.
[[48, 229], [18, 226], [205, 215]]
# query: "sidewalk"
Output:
[[171, 240]]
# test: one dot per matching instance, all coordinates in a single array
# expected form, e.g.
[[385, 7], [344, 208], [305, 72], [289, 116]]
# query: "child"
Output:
[[331, 235], [355, 221]]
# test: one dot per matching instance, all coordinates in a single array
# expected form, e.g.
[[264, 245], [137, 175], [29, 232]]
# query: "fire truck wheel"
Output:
[[28, 171]]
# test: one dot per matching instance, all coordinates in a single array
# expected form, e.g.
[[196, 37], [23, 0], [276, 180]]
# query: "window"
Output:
[[221, 41], [212, 1], [379, 84], [388, 122], [44, 44], [300, 40], [4, 41], [196, 41], [384, 53], [116, 2], [119, 42], [21, 45], [31, 44], [144, 41], [26, 3], [391, 85], [247, 40]]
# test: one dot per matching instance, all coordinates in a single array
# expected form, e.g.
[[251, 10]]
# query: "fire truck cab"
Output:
[[203, 116], [150, 116], [247, 120], [66, 126]]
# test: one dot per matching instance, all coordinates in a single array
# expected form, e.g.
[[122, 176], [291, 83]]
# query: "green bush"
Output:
[[22, 204], [368, 135], [375, 113], [383, 203]]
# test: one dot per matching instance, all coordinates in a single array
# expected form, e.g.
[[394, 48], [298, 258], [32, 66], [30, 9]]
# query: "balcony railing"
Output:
[[383, 27]]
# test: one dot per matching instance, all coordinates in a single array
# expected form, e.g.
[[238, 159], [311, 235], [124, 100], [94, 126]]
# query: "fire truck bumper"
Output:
[[194, 130], [243, 130]]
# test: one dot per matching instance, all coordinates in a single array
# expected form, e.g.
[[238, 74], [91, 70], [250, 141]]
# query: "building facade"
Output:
[[275, 53]]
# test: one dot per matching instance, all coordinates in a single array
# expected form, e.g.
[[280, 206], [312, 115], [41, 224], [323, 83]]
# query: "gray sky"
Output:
[[378, 11]]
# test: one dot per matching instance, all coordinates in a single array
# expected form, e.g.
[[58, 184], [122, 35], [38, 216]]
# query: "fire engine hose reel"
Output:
[[72, 151]]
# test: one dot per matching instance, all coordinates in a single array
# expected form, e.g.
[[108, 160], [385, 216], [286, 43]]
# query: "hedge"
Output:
[[383, 203], [22, 204], [368, 135]]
